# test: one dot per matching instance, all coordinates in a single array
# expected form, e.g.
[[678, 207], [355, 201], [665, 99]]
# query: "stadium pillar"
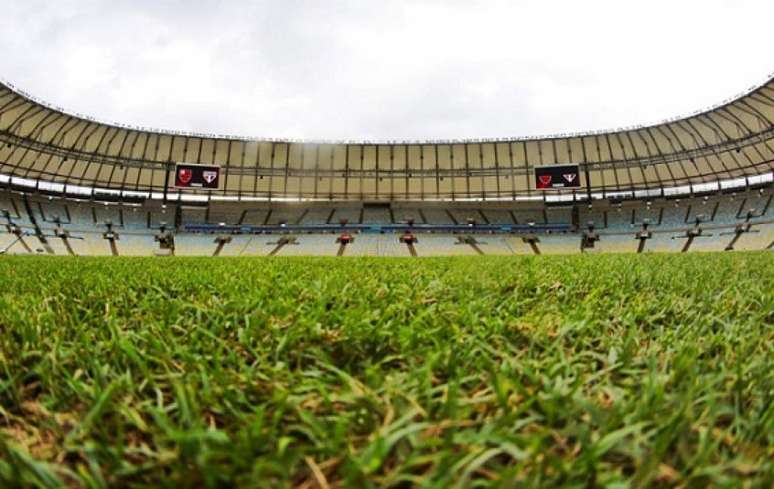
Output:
[[166, 180], [588, 182]]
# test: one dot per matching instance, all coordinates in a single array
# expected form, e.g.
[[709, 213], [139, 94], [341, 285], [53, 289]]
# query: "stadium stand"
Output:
[[90, 244], [376, 215], [719, 219], [319, 215], [498, 216], [350, 215], [442, 245], [616, 243], [312, 245], [760, 237], [62, 191], [403, 215]]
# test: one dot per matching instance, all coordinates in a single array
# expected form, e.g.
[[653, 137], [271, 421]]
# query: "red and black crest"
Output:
[[184, 175]]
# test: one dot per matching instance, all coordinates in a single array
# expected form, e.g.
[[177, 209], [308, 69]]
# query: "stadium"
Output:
[[181, 309], [73, 185]]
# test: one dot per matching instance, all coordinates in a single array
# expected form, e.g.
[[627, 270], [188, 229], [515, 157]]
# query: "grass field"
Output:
[[582, 371]]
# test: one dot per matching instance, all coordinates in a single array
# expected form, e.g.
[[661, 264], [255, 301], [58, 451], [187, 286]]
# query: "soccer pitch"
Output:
[[608, 370]]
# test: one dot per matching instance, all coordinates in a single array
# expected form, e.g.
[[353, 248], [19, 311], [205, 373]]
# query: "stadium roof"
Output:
[[51, 149]]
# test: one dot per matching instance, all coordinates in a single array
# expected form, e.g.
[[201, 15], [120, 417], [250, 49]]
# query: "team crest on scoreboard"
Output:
[[184, 175], [209, 176]]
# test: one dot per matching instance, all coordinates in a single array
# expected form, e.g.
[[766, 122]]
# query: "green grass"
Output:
[[582, 371]]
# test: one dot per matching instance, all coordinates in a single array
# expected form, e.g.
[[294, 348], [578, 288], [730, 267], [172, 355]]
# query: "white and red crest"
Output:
[[209, 176]]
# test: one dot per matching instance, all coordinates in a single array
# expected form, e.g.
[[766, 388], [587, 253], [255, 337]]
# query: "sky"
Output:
[[385, 70]]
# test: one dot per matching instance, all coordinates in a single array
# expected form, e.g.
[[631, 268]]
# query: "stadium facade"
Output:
[[70, 184]]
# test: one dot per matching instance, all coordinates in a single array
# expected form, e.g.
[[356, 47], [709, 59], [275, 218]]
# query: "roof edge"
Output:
[[22, 93]]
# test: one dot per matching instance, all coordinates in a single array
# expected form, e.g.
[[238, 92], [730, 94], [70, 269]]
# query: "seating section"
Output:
[[194, 245], [674, 217], [619, 219], [497, 245], [134, 218], [404, 215], [703, 211], [8, 205], [442, 245], [351, 215], [761, 237], [9, 243], [617, 224], [616, 243], [312, 245], [51, 211], [222, 214], [16, 211], [437, 216], [317, 216], [162, 217], [81, 217], [194, 215], [136, 244], [239, 244], [526, 217], [559, 215], [517, 245], [728, 212], [596, 217], [364, 245], [284, 216], [712, 240], [58, 246], [89, 244], [646, 213], [254, 217], [260, 245], [498, 216], [559, 244], [390, 245], [665, 242], [111, 213], [463, 216], [378, 215], [756, 203]]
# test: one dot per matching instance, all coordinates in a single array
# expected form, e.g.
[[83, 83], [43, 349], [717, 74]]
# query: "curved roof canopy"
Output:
[[45, 144]]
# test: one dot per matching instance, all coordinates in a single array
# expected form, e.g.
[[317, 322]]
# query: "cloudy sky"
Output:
[[397, 69]]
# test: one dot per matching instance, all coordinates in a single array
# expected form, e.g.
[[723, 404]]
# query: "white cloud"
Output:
[[384, 70]]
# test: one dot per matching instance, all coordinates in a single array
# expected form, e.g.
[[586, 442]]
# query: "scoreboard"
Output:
[[188, 175], [557, 176]]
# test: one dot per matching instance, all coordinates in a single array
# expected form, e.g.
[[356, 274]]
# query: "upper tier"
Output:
[[41, 145]]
